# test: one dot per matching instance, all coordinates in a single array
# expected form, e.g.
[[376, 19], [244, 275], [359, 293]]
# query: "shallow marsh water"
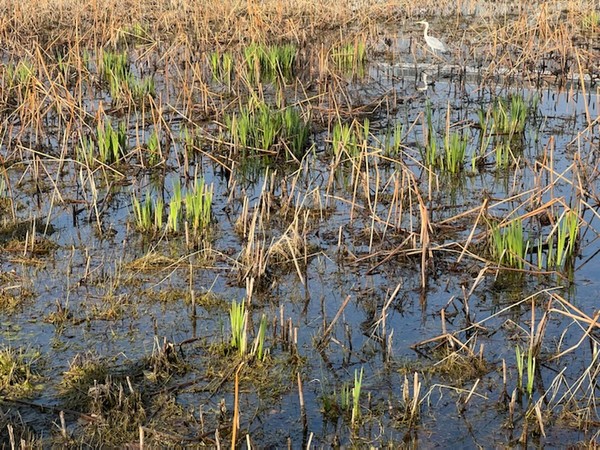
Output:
[[336, 228]]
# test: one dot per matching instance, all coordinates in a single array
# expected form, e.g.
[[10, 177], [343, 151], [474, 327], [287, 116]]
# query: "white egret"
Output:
[[434, 43]]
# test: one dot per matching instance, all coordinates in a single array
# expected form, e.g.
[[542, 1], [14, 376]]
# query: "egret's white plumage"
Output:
[[434, 43]]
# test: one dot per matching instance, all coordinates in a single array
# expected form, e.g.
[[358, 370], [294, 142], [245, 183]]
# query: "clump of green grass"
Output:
[[393, 140], [350, 57], [193, 207], [567, 237], [346, 403], [508, 245], [116, 72], [112, 142], [142, 88], [263, 128], [531, 366], [148, 214], [154, 154], [561, 243], [198, 204], [591, 20], [451, 157], [350, 138], [238, 318], [270, 63], [509, 116], [502, 125], [258, 349], [455, 149], [358, 378], [505, 155], [175, 208], [19, 77], [17, 375], [221, 65], [109, 146]]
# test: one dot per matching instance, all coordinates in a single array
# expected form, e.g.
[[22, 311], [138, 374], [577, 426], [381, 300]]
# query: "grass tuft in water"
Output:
[[393, 140], [562, 241], [270, 63], [264, 129], [198, 204], [112, 142], [221, 65], [175, 208], [109, 146], [114, 70], [350, 57], [508, 245], [19, 78], [148, 214], [349, 139], [17, 376], [258, 350], [238, 320], [194, 208], [455, 149], [358, 378]]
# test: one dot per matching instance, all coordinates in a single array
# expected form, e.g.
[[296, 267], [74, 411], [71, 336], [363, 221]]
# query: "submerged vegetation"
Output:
[[290, 224]]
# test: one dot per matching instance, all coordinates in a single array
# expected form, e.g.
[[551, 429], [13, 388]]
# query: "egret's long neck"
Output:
[[426, 29]]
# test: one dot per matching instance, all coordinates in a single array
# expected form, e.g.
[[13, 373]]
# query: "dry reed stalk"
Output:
[[325, 336], [236, 407]]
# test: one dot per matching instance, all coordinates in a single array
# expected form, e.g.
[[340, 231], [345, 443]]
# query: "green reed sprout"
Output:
[[350, 56], [393, 140], [508, 245], [175, 208], [114, 69], [259, 343], [112, 142], [238, 320], [356, 395], [270, 63], [198, 204], [263, 128], [567, 236], [455, 149]]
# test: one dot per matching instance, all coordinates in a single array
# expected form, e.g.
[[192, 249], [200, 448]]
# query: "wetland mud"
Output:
[[295, 224]]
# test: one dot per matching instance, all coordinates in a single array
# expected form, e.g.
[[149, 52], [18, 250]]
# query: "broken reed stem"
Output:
[[301, 396], [335, 319]]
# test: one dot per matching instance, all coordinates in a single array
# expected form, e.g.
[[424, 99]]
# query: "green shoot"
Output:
[[238, 320], [356, 395]]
